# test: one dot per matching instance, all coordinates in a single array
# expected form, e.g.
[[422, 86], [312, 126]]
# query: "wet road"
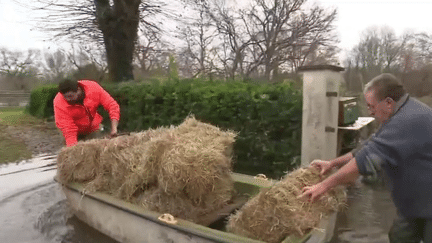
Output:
[[33, 208]]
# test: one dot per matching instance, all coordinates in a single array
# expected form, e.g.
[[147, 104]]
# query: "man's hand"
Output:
[[323, 165], [114, 125], [314, 192]]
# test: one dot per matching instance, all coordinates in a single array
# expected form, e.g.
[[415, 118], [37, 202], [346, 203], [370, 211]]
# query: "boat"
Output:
[[127, 222]]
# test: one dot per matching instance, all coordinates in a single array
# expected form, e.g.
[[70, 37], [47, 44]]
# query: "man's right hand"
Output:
[[323, 165]]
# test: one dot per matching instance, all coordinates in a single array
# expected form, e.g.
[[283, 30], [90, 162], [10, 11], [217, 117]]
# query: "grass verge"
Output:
[[16, 116], [13, 149]]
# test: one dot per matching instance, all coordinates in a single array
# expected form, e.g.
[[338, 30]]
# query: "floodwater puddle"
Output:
[[33, 208], [369, 215]]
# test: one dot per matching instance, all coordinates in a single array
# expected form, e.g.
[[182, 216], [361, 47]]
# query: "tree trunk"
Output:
[[119, 26]]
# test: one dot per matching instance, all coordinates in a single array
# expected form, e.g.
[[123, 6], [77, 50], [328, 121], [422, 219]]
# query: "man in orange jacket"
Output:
[[75, 109]]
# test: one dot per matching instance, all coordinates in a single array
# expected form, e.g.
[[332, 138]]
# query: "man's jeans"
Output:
[[410, 230]]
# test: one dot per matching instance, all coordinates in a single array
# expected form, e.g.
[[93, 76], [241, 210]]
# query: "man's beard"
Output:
[[79, 100]]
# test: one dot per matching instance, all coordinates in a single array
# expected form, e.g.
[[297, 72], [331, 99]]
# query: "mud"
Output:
[[39, 139]]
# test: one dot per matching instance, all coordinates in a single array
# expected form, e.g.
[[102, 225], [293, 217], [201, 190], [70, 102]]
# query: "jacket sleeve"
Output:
[[66, 125], [109, 104], [360, 146], [388, 146]]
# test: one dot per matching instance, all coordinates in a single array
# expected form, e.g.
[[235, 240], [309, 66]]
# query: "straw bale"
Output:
[[136, 167], [276, 212], [184, 170], [182, 206], [178, 205], [80, 163], [199, 156], [219, 196], [192, 171]]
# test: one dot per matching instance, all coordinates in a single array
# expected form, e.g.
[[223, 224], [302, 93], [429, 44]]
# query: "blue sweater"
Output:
[[402, 147]]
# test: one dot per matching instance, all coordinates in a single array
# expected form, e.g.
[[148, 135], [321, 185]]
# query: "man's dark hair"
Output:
[[68, 85], [386, 85]]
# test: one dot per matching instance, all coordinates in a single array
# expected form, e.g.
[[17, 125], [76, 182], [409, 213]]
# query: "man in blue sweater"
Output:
[[402, 148]]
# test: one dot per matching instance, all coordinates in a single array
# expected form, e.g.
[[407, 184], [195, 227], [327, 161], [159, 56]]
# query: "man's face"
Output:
[[380, 110], [74, 97]]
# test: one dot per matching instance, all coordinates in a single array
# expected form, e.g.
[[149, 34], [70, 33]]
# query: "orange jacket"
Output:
[[83, 119]]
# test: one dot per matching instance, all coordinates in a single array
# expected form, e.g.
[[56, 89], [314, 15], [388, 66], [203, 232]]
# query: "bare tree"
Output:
[[422, 46], [391, 48], [378, 50], [268, 36], [89, 61], [56, 65], [148, 50], [111, 22], [229, 25], [198, 35], [283, 32], [17, 63], [19, 69], [313, 39], [119, 25]]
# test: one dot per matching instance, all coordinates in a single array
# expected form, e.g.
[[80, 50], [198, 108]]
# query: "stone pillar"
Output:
[[320, 112]]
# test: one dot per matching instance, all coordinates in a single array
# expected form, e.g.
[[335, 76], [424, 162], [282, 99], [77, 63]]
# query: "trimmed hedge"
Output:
[[41, 101], [267, 117]]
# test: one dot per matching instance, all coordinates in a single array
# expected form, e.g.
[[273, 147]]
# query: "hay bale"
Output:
[[181, 205], [135, 165], [184, 170], [220, 194], [178, 205], [276, 212], [80, 163], [198, 157]]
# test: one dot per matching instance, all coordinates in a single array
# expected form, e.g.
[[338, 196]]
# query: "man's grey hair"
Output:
[[385, 85]]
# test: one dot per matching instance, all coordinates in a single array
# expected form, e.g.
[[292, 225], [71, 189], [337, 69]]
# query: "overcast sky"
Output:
[[354, 16]]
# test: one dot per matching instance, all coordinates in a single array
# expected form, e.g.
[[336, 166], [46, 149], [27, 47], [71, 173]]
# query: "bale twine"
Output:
[[276, 212]]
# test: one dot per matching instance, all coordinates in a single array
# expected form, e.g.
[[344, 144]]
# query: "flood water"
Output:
[[369, 215], [33, 208]]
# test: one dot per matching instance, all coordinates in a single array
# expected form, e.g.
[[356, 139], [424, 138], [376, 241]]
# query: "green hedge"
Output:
[[267, 117], [41, 101]]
